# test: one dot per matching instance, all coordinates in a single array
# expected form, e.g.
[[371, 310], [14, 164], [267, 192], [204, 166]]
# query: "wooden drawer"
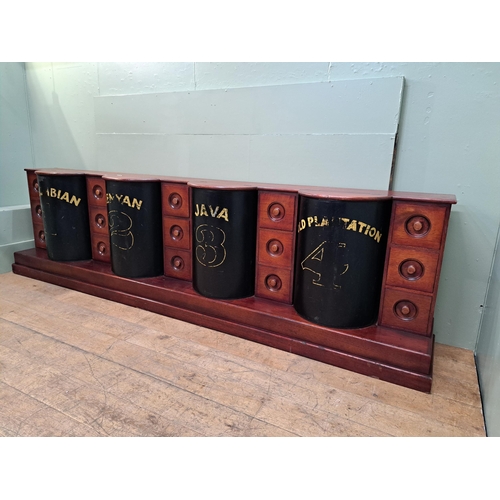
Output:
[[274, 283], [96, 191], [407, 311], [36, 211], [411, 268], [419, 224], [175, 199], [177, 263], [101, 248], [39, 235], [177, 232], [275, 248], [98, 220], [34, 192], [277, 210]]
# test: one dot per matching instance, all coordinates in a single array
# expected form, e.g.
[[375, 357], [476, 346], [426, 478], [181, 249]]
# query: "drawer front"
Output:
[[177, 232], [275, 248], [100, 247], [96, 191], [33, 189], [39, 235], [419, 224], [175, 199], [274, 283], [98, 220], [36, 212], [407, 311], [277, 210], [411, 268], [177, 263]]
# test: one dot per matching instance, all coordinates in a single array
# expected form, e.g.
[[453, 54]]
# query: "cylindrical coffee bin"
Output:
[[135, 225], [224, 219], [63, 199], [340, 253]]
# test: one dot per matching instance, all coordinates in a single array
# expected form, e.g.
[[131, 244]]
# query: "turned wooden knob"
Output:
[[98, 192], [176, 232], [35, 186], [417, 225], [406, 310], [275, 247], [276, 211], [101, 247], [41, 235], [39, 210], [100, 220], [177, 262], [411, 269], [273, 283], [175, 200]]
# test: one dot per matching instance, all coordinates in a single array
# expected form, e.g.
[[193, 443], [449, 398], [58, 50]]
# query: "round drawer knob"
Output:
[[100, 220], [273, 282], [98, 191], [276, 211], [176, 233], [411, 269], [405, 310], [175, 200], [41, 235], [418, 225], [177, 262], [38, 210], [274, 247], [35, 185], [101, 248]]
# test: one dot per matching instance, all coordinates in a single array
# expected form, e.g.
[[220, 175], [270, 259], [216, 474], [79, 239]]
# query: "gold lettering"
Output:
[[65, 197], [197, 210], [53, 192], [75, 200], [372, 232], [119, 197], [361, 226], [310, 220], [324, 222], [109, 197], [302, 225], [203, 210], [137, 204], [224, 214], [367, 227], [213, 212], [59, 194], [352, 226], [126, 201], [345, 221], [378, 236]]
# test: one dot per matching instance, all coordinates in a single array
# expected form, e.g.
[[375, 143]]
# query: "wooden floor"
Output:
[[76, 365]]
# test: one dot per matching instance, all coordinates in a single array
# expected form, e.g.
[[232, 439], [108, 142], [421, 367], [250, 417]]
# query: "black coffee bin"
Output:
[[135, 226], [224, 241], [63, 198], [339, 263]]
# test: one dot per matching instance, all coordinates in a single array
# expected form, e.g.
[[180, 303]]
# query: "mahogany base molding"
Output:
[[395, 356]]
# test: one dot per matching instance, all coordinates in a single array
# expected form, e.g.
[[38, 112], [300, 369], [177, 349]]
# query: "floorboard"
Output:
[[76, 365]]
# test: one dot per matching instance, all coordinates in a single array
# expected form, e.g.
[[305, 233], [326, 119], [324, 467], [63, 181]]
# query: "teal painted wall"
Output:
[[16, 232]]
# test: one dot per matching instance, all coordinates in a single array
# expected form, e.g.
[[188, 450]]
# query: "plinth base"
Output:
[[395, 356]]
